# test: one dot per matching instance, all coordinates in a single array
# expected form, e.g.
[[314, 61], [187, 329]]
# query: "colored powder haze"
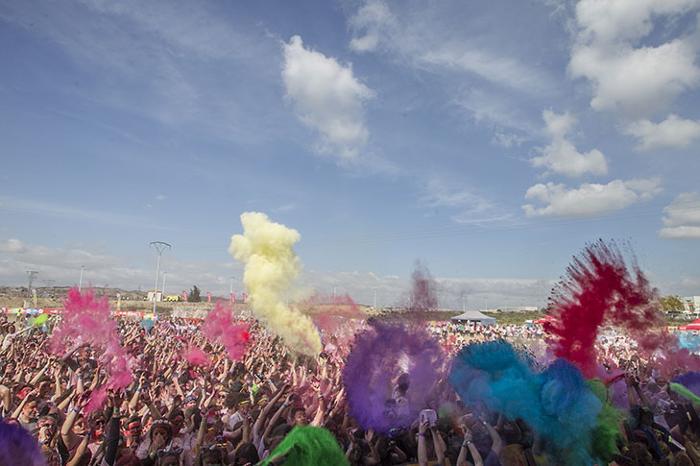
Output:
[[271, 266]]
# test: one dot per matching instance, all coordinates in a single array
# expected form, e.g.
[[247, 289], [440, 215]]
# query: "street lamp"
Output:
[[159, 247], [80, 283]]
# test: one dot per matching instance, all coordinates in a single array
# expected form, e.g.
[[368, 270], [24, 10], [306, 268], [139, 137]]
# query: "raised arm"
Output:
[[260, 421], [468, 445], [80, 451]]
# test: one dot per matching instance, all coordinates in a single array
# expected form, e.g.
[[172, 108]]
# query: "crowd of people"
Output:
[[223, 412]]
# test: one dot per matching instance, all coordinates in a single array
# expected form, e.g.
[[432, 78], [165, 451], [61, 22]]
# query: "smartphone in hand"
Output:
[[429, 416]]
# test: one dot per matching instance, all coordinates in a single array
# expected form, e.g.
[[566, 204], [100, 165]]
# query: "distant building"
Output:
[[155, 296], [691, 304]]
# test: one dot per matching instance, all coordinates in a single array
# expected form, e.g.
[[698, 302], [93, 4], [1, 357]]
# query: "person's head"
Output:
[[98, 422], [299, 416], [44, 389], [215, 455], [169, 457], [403, 384], [133, 429], [162, 430], [243, 407], [80, 425], [221, 398], [513, 455], [47, 426], [190, 402], [247, 455], [19, 447], [215, 426], [30, 410], [177, 419]]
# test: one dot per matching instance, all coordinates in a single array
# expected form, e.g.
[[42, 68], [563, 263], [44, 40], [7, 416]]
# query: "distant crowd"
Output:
[[237, 412]]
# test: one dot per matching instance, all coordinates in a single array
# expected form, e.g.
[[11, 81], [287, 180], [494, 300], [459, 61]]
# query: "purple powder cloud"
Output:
[[391, 374]]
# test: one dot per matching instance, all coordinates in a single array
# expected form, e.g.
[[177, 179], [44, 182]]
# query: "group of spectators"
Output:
[[237, 412]]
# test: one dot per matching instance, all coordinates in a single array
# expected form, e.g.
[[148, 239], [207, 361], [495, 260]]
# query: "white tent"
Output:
[[474, 316]]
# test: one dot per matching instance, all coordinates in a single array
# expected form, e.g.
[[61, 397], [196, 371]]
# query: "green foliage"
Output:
[[672, 304], [517, 318]]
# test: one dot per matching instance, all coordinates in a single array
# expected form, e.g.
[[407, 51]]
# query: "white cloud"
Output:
[[12, 245], [505, 71], [62, 264], [561, 156], [328, 98], [161, 197], [673, 132], [626, 76], [610, 20], [589, 199], [370, 22], [682, 217]]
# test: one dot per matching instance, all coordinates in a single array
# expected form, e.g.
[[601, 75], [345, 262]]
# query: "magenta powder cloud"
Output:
[[390, 375], [220, 327], [87, 319]]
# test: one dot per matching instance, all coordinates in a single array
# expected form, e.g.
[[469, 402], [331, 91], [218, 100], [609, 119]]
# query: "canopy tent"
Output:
[[695, 325], [474, 316]]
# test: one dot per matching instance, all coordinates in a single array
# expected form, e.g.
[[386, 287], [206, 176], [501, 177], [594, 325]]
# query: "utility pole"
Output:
[[80, 283], [374, 305], [230, 290], [31, 274], [162, 290], [159, 247]]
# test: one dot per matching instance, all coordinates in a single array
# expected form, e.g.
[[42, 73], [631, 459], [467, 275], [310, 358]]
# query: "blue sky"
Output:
[[491, 140]]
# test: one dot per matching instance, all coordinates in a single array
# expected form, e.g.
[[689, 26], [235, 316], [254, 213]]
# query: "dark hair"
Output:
[[213, 453], [247, 453], [281, 430]]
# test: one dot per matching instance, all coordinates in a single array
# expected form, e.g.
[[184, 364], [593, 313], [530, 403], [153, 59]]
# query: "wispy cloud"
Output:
[[417, 37], [467, 205], [497, 111], [165, 61], [49, 209]]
